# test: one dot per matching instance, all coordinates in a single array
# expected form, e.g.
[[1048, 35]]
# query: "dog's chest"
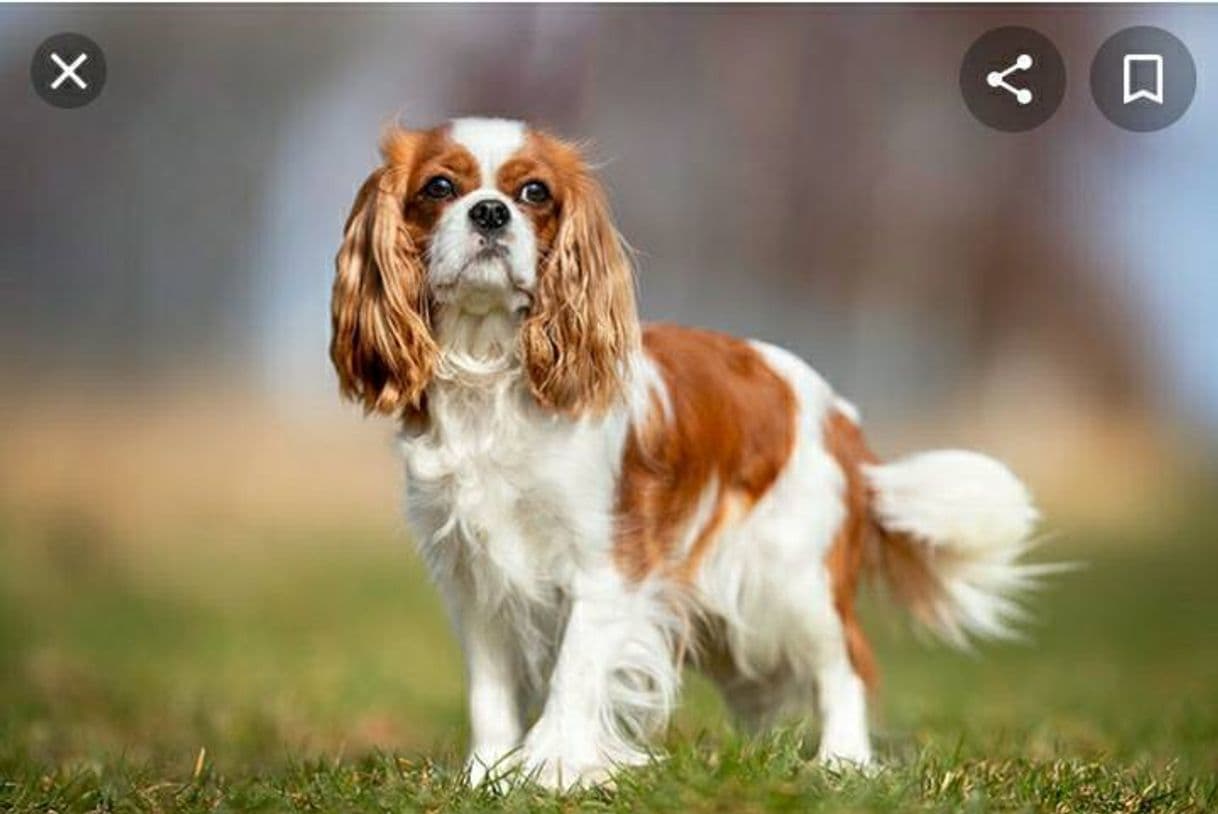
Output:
[[500, 491]]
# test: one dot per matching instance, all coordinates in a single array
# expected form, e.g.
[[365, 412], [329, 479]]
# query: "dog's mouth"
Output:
[[498, 251], [489, 248], [488, 281]]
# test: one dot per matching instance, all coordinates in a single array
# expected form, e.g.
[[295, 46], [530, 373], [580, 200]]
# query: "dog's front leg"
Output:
[[614, 678], [495, 700]]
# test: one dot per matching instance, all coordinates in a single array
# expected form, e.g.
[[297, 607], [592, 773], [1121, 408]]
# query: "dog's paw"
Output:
[[559, 770], [562, 774], [494, 770], [561, 765], [848, 760]]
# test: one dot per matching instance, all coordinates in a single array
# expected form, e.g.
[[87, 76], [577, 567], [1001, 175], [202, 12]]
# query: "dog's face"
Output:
[[477, 216], [475, 212]]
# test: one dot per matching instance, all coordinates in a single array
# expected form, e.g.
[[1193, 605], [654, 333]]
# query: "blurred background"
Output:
[[201, 543]]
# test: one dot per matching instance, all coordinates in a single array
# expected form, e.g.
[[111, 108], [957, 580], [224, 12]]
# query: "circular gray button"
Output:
[[1143, 78], [68, 70], [1013, 78]]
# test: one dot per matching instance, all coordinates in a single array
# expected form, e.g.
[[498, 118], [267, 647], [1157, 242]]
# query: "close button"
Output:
[[68, 70]]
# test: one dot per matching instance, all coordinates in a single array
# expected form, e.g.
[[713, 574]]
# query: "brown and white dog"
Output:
[[600, 501]]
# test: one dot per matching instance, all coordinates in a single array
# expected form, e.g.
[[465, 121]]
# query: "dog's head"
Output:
[[481, 216]]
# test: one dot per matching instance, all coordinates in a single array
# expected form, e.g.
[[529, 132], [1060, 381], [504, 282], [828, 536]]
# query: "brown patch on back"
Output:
[[847, 556], [731, 425]]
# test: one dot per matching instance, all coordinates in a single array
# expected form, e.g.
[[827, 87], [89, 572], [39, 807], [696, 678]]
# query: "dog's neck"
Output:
[[479, 355], [482, 334]]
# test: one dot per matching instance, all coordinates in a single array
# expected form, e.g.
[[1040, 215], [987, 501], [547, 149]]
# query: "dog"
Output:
[[601, 502]]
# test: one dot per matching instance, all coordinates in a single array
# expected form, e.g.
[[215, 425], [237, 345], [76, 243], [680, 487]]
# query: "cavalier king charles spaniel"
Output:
[[601, 501]]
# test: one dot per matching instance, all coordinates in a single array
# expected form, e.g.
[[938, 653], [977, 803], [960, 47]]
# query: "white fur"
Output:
[[976, 518], [491, 142]]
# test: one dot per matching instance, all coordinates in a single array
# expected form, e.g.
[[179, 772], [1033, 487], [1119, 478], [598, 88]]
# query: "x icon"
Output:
[[68, 71]]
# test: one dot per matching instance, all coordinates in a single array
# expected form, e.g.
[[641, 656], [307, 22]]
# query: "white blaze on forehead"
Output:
[[490, 141]]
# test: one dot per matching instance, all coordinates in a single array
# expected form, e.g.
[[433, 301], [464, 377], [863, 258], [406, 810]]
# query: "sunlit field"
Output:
[[300, 669]]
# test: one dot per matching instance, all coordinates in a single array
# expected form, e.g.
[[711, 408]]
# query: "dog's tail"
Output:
[[952, 526]]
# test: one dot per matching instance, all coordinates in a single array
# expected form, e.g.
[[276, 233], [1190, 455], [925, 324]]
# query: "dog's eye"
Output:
[[439, 188], [534, 192]]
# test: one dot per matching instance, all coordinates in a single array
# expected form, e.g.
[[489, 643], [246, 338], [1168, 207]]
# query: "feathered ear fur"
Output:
[[381, 343], [583, 327]]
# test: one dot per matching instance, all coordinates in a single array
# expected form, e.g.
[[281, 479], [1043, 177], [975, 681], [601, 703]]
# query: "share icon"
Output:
[[998, 79], [1013, 78]]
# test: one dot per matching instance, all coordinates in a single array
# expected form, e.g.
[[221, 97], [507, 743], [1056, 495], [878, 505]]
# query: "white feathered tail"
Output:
[[954, 525]]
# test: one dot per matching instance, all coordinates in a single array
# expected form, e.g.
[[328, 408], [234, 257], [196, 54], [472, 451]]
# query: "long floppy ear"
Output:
[[381, 343], [578, 338]]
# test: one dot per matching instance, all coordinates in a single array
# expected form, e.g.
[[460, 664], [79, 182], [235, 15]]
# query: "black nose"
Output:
[[489, 215]]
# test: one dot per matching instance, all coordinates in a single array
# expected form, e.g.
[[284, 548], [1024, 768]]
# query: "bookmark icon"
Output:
[[1142, 78]]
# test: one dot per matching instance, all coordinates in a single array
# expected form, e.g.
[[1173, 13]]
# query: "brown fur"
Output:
[[863, 545], [381, 343], [854, 540], [732, 421], [903, 562], [584, 323]]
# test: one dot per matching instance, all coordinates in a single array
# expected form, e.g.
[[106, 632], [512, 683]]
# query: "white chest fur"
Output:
[[504, 498]]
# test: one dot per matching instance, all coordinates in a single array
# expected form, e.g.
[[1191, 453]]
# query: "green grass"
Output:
[[315, 672]]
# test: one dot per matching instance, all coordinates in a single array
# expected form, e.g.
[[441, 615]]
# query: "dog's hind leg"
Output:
[[793, 656], [841, 700]]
